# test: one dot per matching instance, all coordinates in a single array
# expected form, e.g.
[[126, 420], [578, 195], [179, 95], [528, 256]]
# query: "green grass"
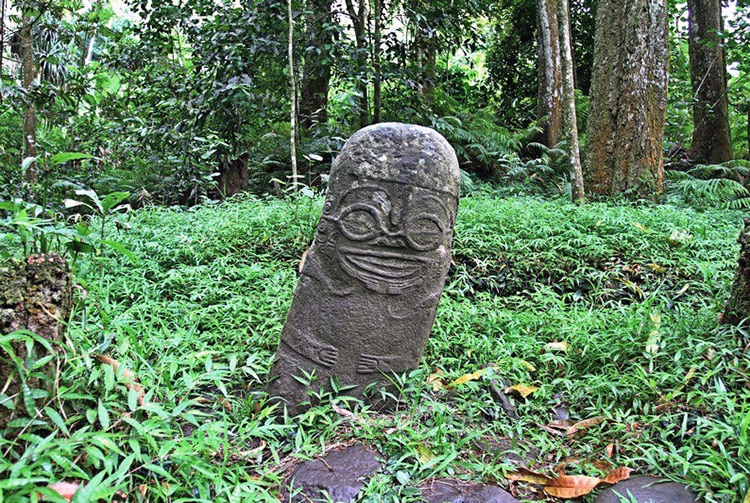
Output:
[[634, 291]]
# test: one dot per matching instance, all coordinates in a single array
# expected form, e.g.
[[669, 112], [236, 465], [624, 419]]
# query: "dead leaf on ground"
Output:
[[526, 475], [302, 260], [657, 268], [435, 381], [65, 489], [522, 389], [468, 377], [344, 412], [571, 486], [424, 452], [617, 475], [128, 377], [584, 425], [557, 346], [552, 429], [610, 450]]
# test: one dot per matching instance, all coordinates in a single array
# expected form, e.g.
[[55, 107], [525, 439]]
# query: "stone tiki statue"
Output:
[[369, 289]]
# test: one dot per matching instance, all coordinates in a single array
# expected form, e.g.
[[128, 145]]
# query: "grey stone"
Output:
[[646, 489], [369, 289], [339, 476], [458, 491]]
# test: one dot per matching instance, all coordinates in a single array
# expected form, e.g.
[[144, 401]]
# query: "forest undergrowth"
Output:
[[600, 322]]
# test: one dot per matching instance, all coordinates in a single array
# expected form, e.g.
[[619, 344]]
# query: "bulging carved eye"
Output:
[[360, 222], [424, 232]]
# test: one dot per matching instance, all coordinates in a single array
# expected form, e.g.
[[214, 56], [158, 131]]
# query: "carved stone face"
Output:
[[369, 289], [385, 234]]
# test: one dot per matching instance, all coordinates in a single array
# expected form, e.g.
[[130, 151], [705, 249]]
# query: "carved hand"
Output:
[[328, 356], [367, 364]]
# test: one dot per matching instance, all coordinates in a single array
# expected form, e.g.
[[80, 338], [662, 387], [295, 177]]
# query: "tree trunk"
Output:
[[358, 15], [429, 72], [712, 140], [628, 99], [35, 295], [316, 72], [738, 307], [292, 99], [29, 115], [376, 60], [233, 176], [549, 69], [569, 105]]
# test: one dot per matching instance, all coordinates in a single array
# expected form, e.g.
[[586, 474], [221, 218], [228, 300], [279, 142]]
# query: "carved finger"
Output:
[[329, 356], [367, 364]]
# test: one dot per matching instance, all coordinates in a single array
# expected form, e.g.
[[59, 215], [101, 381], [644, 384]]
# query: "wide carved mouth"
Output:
[[382, 271]]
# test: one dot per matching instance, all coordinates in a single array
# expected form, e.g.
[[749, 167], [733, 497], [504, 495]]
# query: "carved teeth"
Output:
[[386, 266]]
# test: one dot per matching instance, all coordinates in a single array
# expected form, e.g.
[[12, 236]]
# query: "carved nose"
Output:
[[391, 239]]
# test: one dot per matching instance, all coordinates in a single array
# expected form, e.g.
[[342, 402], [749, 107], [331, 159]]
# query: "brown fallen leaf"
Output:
[[302, 260], [343, 412], [610, 450], [526, 475], [584, 425], [617, 475], [65, 489], [128, 377], [571, 486], [552, 430]]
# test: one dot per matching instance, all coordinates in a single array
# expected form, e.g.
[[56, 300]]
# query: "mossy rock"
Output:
[[35, 303]]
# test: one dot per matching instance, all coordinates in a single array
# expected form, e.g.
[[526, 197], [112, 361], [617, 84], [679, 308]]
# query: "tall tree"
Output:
[[569, 105], [29, 74], [628, 99], [358, 14], [549, 70], [292, 96], [316, 71], [712, 141], [377, 63]]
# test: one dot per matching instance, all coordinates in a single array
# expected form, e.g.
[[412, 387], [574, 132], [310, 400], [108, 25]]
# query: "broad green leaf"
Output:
[[68, 156], [113, 199], [157, 469], [28, 161], [103, 416], [28, 400], [114, 84], [94, 198], [72, 203], [20, 482], [79, 247], [86, 493], [57, 419], [120, 248]]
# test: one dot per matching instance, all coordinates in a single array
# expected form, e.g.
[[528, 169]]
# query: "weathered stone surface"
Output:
[[340, 476], [459, 491], [368, 292], [36, 295], [647, 489]]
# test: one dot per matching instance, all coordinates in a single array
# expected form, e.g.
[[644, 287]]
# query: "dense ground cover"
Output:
[[606, 312]]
